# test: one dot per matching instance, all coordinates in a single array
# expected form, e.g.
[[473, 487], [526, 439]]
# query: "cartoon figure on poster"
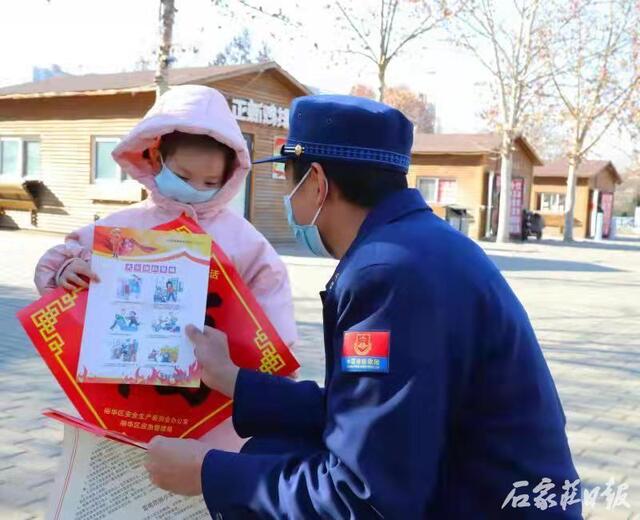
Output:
[[121, 245], [166, 323], [129, 288], [126, 321], [115, 241], [125, 350], [166, 354], [167, 290]]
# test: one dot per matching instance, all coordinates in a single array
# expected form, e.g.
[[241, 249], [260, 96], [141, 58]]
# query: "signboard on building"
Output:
[[606, 201], [260, 113], [517, 203], [277, 171]]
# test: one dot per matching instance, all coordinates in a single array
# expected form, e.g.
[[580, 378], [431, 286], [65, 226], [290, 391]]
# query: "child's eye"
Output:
[[183, 178]]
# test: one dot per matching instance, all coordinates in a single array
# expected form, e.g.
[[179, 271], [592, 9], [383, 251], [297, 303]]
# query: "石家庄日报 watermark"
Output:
[[546, 495]]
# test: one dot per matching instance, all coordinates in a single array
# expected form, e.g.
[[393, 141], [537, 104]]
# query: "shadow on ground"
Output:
[[519, 263], [581, 354], [619, 244]]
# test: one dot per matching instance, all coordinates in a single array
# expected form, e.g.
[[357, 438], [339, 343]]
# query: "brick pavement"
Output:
[[584, 303]]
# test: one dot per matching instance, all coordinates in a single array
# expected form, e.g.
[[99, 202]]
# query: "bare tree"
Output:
[[264, 54], [380, 30], [542, 125], [593, 62], [506, 38], [377, 30], [240, 50], [167, 15]]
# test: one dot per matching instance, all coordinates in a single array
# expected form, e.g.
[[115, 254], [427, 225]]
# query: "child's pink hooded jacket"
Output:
[[198, 110]]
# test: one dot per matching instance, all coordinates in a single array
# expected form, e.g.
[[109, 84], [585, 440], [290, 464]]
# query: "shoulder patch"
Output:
[[366, 351]]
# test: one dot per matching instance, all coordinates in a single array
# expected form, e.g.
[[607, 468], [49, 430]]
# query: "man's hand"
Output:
[[212, 352], [175, 464]]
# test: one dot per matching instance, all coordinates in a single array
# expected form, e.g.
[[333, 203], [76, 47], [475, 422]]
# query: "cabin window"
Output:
[[31, 156], [552, 202], [105, 169], [19, 157], [440, 191], [428, 188]]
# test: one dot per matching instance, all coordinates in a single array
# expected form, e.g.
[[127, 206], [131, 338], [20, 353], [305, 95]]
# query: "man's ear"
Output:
[[321, 182]]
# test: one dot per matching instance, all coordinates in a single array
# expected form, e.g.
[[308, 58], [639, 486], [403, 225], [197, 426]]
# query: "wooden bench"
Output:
[[18, 195]]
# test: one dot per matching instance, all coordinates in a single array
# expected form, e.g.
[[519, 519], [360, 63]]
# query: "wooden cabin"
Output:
[[56, 138], [461, 172], [595, 189]]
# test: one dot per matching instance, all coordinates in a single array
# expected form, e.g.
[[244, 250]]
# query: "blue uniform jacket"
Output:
[[467, 408]]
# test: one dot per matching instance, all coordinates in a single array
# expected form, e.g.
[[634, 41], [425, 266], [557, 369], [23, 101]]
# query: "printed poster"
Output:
[[152, 284], [101, 479]]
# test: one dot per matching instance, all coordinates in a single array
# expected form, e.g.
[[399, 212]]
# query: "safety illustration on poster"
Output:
[[152, 284]]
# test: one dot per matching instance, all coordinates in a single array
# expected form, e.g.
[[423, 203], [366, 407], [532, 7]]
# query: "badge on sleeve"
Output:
[[366, 351]]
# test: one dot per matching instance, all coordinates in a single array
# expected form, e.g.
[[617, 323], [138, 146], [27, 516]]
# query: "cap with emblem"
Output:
[[347, 128]]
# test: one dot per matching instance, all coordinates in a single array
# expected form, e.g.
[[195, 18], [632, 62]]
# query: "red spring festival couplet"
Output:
[[54, 324]]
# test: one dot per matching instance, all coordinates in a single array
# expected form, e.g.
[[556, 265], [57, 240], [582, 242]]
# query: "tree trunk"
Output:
[[161, 80], [570, 199], [382, 72], [504, 209]]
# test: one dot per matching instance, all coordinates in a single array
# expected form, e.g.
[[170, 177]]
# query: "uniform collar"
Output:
[[393, 207]]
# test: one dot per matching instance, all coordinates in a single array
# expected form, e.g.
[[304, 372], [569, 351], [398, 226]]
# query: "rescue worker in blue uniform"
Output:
[[437, 401]]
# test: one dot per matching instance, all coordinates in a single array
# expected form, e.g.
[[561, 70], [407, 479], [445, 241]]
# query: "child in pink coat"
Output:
[[189, 153]]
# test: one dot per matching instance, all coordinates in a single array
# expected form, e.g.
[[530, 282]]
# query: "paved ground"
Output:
[[584, 302]]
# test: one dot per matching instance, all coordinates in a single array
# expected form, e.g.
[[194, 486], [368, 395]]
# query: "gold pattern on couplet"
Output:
[[271, 361], [182, 229], [46, 320]]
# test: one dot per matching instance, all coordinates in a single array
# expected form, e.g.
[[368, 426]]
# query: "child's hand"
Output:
[[70, 278]]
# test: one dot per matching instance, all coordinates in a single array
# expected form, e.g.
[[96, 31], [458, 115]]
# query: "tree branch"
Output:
[[279, 15], [357, 31]]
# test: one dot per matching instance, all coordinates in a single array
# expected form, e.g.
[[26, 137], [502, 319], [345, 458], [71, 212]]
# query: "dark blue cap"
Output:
[[347, 128]]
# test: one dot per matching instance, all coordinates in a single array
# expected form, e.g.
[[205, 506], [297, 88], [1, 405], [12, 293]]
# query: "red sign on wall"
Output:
[[277, 168], [517, 202]]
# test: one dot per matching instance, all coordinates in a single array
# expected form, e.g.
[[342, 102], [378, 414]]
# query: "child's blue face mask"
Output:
[[173, 187]]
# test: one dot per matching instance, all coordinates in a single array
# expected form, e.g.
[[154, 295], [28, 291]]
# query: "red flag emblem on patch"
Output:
[[366, 351]]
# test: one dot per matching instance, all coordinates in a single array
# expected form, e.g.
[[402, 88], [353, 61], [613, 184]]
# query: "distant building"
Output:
[[595, 189], [56, 138], [461, 173]]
